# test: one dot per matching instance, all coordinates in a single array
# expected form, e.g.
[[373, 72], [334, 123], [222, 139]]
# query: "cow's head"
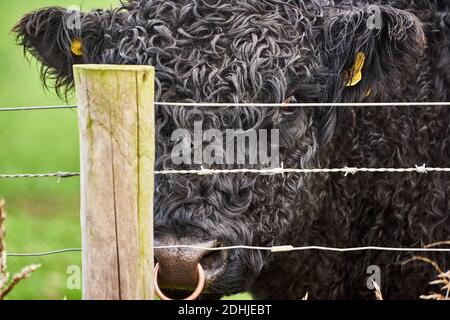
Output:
[[236, 51]]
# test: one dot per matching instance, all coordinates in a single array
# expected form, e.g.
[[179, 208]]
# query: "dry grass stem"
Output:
[[443, 279], [378, 294], [6, 288]]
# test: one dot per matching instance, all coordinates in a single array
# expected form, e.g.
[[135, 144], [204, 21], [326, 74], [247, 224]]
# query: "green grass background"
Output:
[[42, 213]]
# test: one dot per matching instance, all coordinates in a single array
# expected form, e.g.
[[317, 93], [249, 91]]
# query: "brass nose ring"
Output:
[[193, 296]]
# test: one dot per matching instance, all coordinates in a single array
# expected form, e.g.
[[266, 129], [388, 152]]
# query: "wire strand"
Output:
[[273, 249], [42, 254], [272, 105], [300, 105], [60, 175], [346, 171], [36, 108], [290, 248], [282, 170]]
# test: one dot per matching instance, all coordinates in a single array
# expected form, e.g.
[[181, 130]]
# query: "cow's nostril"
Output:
[[213, 260]]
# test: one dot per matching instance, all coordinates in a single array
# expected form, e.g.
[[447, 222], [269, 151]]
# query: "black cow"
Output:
[[271, 51]]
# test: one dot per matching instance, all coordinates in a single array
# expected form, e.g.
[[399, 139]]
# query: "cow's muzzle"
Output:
[[186, 268]]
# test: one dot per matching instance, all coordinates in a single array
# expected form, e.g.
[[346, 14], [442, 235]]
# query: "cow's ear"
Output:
[[60, 38], [371, 51]]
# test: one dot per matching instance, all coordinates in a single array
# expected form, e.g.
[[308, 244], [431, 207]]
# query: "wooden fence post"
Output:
[[117, 150]]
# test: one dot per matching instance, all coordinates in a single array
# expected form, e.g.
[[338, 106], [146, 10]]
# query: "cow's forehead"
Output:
[[237, 50], [230, 51]]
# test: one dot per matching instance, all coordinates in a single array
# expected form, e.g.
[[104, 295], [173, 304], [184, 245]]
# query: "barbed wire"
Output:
[[282, 170], [224, 104], [60, 175], [346, 170], [273, 249]]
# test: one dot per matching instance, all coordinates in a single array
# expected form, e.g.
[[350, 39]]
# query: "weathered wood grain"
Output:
[[117, 151]]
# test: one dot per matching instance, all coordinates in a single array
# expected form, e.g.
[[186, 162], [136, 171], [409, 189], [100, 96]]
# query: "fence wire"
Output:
[[60, 175], [273, 249], [282, 170], [346, 171], [43, 254], [269, 105], [36, 108]]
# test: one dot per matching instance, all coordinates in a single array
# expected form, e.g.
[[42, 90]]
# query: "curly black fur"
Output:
[[266, 51]]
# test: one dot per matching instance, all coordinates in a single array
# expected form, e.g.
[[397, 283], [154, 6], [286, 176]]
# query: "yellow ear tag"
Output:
[[77, 47], [354, 75]]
